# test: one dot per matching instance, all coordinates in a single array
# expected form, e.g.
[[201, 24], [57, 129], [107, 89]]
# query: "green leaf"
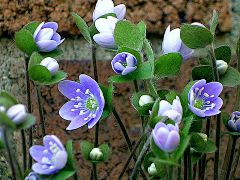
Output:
[[105, 150], [225, 118], [231, 78], [35, 59], [153, 90], [142, 110], [70, 164], [150, 55], [197, 142], [105, 113], [6, 121], [203, 72], [40, 73], [82, 26], [223, 53], [147, 161], [86, 148], [168, 65], [161, 168], [171, 96], [127, 34], [144, 71], [122, 78], [142, 27], [28, 122], [205, 60], [56, 52], [187, 125], [182, 146], [210, 147], [104, 90], [195, 37], [62, 175], [56, 78], [9, 97], [158, 152], [6, 102], [31, 27], [196, 125], [154, 113], [162, 93], [110, 95], [25, 42], [214, 22]]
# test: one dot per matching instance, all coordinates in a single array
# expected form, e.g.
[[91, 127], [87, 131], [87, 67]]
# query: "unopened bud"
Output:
[[96, 154], [17, 113], [204, 136], [222, 66], [51, 64], [152, 171], [2, 109], [145, 99]]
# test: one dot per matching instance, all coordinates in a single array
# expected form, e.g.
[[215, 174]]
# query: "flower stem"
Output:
[[189, 161], [95, 174], [136, 85], [170, 172], [9, 153], [231, 156], [185, 165], [75, 176], [235, 163], [218, 117], [24, 150], [179, 175], [40, 108], [29, 108]]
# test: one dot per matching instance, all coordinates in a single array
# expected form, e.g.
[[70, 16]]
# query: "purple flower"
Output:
[[203, 98], [46, 37], [17, 113], [51, 157], [173, 112], [173, 43], [166, 137], [105, 37], [106, 6], [51, 64], [33, 176], [124, 63], [86, 105], [234, 121]]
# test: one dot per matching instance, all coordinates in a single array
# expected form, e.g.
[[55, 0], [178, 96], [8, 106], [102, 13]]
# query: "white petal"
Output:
[[164, 106], [103, 26], [120, 11]]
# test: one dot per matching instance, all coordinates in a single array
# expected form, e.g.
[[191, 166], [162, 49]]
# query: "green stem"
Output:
[[179, 175], [24, 150], [29, 108], [136, 85], [170, 172], [185, 165], [9, 153], [95, 174], [40, 108], [235, 163], [75, 176], [138, 163], [231, 156], [194, 171], [189, 164]]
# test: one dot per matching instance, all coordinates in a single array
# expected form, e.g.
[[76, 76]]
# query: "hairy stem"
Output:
[[24, 150], [40, 108]]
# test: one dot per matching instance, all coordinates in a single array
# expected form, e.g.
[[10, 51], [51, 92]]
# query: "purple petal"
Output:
[[232, 125], [120, 11], [105, 40], [89, 83], [56, 37], [52, 25], [38, 168], [159, 125], [176, 105], [60, 159], [102, 8], [78, 121], [38, 152], [197, 111], [44, 34], [155, 138], [130, 61], [186, 52], [215, 110], [103, 26], [164, 106], [237, 124], [37, 30], [173, 115], [212, 88], [118, 67], [172, 141], [49, 139], [199, 84], [128, 70], [171, 127], [46, 45]]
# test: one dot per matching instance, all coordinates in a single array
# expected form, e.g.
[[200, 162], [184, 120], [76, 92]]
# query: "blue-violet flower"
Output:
[[46, 37], [51, 64], [106, 28], [86, 105], [203, 98], [106, 6], [173, 112], [17, 113], [234, 121], [124, 63], [51, 157], [165, 136], [33, 176], [173, 43]]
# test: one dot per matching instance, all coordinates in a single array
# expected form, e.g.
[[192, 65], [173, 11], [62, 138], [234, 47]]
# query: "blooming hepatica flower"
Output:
[[124, 63], [174, 111], [33, 176], [173, 43], [105, 37], [46, 37], [106, 6], [234, 121], [203, 98], [51, 157], [166, 137], [86, 105]]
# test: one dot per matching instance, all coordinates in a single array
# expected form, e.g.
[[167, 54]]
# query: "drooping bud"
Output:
[[145, 99], [96, 154], [152, 171], [17, 113], [51, 64], [222, 66]]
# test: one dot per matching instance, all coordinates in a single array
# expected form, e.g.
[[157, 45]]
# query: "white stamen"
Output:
[[212, 96], [73, 109], [51, 167], [123, 55], [44, 166], [81, 112], [72, 99], [45, 151], [78, 90], [85, 119], [196, 89], [45, 160], [206, 95], [78, 98], [208, 108], [213, 105], [50, 143], [76, 106], [87, 91], [94, 115], [208, 102]]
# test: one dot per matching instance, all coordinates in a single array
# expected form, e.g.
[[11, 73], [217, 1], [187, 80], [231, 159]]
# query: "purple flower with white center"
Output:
[[172, 43], [86, 105], [124, 63], [234, 121], [46, 37], [33, 176], [203, 98], [51, 64], [166, 137], [173, 112], [17, 113], [105, 37], [106, 6], [51, 157]]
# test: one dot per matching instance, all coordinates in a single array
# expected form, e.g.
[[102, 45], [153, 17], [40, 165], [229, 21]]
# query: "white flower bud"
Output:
[[2, 109], [152, 171], [145, 99], [17, 113], [204, 136], [222, 66], [96, 154], [51, 64]]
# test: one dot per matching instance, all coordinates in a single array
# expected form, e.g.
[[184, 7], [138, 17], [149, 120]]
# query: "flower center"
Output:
[[91, 104], [199, 104]]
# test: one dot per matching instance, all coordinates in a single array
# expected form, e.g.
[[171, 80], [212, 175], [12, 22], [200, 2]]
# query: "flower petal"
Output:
[[197, 111], [105, 40], [185, 51], [130, 61], [163, 106], [48, 140], [120, 11], [56, 37], [199, 84], [37, 30], [218, 104], [94, 121], [52, 25], [172, 142], [44, 34], [212, 88], [118, 67], [103, 26], [172, 42], [90, 84], [176, 105], [38, 152], [232, 125], [38, 168], [103, 7], [173, 115], [46, 45], [128, 70], [68, 111], [78, 121], [60, 159]]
